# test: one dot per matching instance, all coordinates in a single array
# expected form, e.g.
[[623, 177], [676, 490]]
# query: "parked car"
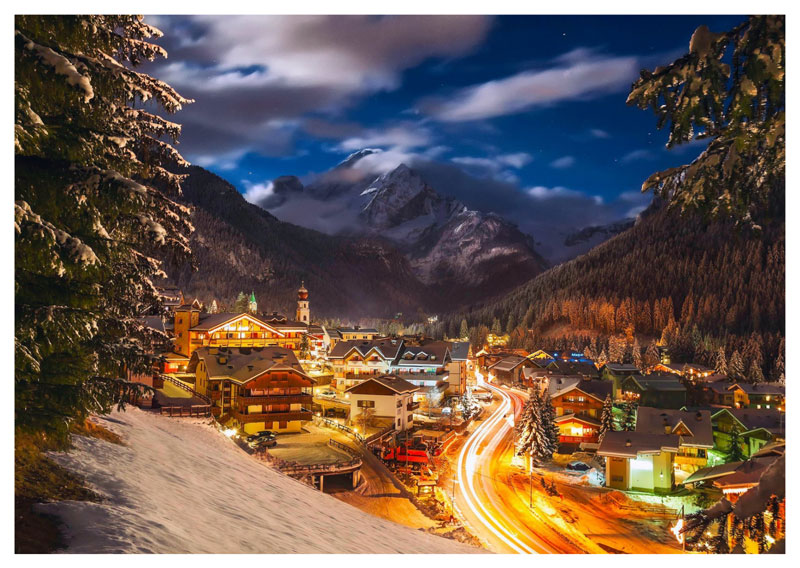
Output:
[[578, 467], [258, 437], [327, 394], [264, 443]]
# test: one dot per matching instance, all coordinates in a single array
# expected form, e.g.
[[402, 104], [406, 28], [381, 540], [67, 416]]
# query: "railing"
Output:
[[271, 416], [344, 447], [274, 399], [378, 435], [577, 439], [294, 468], [184, 386], [321, 420], [197, 410], [412, 406]]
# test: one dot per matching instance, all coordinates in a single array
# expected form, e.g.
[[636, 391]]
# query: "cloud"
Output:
[[577, 75], [246, 72], [636, 156], [563, 162], [258, 192], [598, 133], [400, 137]]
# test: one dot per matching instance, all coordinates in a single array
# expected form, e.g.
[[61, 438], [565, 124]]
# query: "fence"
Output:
[[321, 420], [184, 386], [294, 468], [197, 410]]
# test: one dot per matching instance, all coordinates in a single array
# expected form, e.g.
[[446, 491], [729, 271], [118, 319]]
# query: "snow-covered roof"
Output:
[[658, 420], [245, 364], [624, 444]]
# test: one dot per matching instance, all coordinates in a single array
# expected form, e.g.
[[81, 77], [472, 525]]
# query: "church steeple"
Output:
[[303, 311], [252, 305]]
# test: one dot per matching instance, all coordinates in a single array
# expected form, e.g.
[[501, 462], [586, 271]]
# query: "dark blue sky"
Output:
[[527, 104]]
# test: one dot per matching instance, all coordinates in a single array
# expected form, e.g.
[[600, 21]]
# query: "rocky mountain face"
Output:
[[582, 241], [241, 247], [462, 255]]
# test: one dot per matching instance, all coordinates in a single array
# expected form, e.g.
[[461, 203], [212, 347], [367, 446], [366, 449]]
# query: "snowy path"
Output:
[[179, 486]]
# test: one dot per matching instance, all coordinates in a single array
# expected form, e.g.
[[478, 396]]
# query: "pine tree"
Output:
[[213, 309], [94, 202], [758, 532], [736, 367], [496, 329], [550, 433], [729, 89], [636, 353], [780, 365], [651, 356], [755, 374], [463, 332], [240, 306], [305, 351], [602, 359], [606, 417], [588, 352], [720, 362], [629, 421], [735, 452], [526, 423]]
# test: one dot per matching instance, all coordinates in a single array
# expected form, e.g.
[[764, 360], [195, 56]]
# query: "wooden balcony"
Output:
[[412, 406], [577, 439], [691, 460], [243, 401], [272, 416]]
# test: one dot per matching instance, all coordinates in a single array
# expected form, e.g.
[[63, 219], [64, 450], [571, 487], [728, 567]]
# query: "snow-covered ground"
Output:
[[180, 486]]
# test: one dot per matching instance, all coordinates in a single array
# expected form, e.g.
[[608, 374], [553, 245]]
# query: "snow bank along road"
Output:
[[179, 486], [489, 511]]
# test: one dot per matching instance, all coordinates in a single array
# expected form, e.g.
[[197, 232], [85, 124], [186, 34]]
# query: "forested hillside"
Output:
[[693, 284], [241, 247]]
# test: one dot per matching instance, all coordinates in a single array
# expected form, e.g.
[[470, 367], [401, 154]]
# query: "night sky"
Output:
[[530, 109]]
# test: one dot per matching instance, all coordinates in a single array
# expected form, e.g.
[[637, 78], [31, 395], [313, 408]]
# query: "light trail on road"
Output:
[[482, 504]]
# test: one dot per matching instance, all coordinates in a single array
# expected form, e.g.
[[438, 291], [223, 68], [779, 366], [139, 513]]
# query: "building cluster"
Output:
[[255, 368], [684, 418]]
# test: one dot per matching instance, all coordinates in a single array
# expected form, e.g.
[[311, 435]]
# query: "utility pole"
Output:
[[530, 483]]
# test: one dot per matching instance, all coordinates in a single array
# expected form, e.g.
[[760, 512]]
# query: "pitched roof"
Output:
[[154, 322], [389, 349], [576, 368], [622, 368], [656, 420], [433, 354], [770, 419], [209, 322], [245, 364], [760, 388], [582, 418], [357, 330], [459, 350], [659, 383], [508, 363], [393, 383], [595, 388], [631, 444], [748, 473]]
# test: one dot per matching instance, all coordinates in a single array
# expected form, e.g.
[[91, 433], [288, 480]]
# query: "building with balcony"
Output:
[[254, 389], [760, 395], [617, 373], [694, 431], [757, 428], [355, 361], [660, 391], [579, 406], [383, 401]]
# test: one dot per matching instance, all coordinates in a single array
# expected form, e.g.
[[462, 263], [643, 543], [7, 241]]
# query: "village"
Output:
[[392, 425]]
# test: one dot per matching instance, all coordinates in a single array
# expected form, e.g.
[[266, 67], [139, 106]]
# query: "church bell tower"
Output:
[[303, 312]]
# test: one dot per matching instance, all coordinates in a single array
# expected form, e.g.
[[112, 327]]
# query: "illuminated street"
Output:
[[489, 510]]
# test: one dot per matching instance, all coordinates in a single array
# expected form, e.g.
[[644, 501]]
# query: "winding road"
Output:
[[492, 509]]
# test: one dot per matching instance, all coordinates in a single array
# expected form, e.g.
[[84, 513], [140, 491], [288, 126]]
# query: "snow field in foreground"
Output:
[[180, 486]]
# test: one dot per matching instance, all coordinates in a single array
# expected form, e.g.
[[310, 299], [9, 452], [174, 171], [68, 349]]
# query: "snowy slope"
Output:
[[182, 487]]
